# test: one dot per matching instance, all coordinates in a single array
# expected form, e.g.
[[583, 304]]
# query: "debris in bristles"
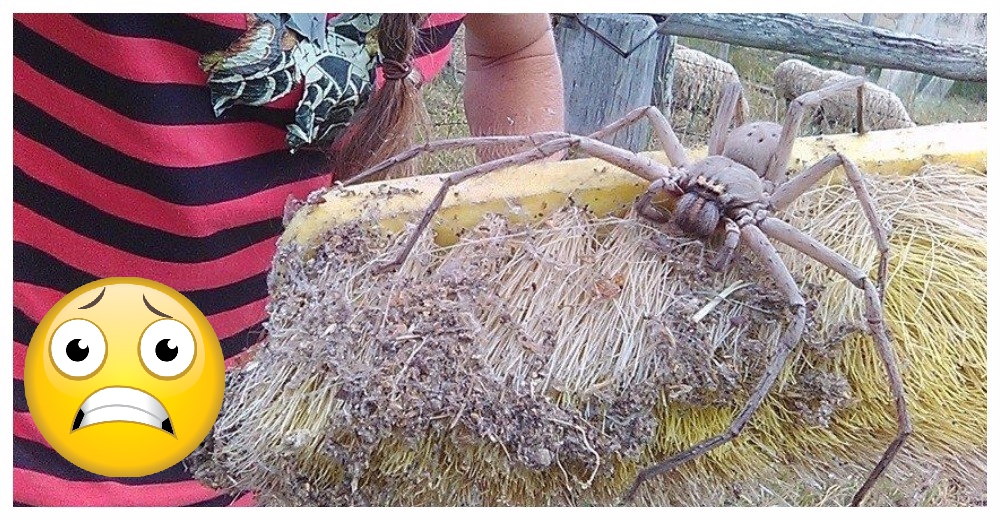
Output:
[[357, 360], [719, 298], [533, 365], [816, 395]]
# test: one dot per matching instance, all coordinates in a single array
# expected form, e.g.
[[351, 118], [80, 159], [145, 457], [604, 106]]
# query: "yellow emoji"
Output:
[[124, 377]]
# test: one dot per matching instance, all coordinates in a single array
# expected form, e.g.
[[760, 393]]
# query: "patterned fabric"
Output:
[[122, 168], [335, 60]]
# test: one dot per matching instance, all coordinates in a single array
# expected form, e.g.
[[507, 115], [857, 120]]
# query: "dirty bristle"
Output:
[[546, 364]]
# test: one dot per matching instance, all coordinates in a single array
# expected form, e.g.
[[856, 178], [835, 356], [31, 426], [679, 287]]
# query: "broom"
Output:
[[546, 363]]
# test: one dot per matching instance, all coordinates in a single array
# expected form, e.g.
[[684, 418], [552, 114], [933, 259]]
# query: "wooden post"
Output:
[[601, 84], [663, 75]]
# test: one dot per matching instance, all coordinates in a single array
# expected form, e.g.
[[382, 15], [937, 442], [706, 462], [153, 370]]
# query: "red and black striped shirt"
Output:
[[122, 169]]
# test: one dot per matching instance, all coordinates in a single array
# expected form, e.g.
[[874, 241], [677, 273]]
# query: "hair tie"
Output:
[[394, 70]]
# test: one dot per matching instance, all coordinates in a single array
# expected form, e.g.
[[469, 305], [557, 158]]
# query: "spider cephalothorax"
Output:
[[715, 186], [738, 187]]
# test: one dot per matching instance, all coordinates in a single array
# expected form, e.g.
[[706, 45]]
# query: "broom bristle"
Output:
[[547, 364]]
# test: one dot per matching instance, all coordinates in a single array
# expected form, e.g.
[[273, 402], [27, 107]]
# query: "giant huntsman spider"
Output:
[[734, 191]]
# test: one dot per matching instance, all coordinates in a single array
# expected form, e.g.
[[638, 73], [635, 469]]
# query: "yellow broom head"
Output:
[[547, 363]]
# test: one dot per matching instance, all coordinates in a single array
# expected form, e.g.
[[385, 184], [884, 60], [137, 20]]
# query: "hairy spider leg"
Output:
[[793, 121], [728, 250], [768, 255], [788, 234], [661, 127], [459, 143], [792, 189], [728, 115], [637, 164]]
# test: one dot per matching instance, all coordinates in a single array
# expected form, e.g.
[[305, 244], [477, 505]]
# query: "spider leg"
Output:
[[793, 121], [786, 233], [638, 164], [645, 207], [730, 111], [540, 151], [545, 144], [454, 144], [671, 144], [732, 240], [661, 127], [760, 244], [786, 193], [672, 148]]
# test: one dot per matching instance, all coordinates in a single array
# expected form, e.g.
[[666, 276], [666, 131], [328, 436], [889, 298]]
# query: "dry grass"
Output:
[[446, 111], [949, 110]]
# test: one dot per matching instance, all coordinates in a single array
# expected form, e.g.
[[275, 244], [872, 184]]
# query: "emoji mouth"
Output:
[[122, 404]]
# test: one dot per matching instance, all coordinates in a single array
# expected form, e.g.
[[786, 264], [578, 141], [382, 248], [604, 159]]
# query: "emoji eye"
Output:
[[78, 348], [167, 348]]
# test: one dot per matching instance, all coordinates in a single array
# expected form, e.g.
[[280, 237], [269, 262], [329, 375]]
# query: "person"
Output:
[[130, 161]]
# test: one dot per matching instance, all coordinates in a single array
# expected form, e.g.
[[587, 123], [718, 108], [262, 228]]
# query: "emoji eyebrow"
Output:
[[99, 296], [151, 309]]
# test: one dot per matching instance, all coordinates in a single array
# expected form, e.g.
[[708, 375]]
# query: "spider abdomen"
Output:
[[753, 144]]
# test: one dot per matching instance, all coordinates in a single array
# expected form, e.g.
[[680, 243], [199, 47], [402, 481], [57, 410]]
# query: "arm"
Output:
[[513, 82]]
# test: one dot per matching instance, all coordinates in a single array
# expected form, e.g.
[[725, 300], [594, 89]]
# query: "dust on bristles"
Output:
[[552, 347]]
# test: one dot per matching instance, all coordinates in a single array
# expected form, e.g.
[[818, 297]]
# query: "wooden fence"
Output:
[[615, 62]]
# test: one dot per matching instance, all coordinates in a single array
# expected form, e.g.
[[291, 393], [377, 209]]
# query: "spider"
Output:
[[734, 192]]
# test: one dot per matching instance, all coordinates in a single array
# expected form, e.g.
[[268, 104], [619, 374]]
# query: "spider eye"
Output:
[[167, 348], [78, 348]]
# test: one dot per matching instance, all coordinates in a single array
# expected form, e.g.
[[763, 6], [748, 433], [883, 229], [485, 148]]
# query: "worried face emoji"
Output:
[[124, 377]]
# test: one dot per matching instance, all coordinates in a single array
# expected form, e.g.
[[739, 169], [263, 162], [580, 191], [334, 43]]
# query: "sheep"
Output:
[[883, 110], [698, 81]]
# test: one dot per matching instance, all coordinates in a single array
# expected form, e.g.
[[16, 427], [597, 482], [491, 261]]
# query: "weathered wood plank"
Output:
[[867, 20], [663, 75], [601, 84], [831, 39]]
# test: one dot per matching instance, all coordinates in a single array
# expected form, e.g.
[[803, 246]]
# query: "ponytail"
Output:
[[389, 123]]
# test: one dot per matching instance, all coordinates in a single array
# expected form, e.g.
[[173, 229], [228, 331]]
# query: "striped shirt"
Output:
[[122, 169]]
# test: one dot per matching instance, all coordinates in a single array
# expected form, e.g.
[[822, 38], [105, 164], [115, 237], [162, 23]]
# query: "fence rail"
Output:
[[831, 39]]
